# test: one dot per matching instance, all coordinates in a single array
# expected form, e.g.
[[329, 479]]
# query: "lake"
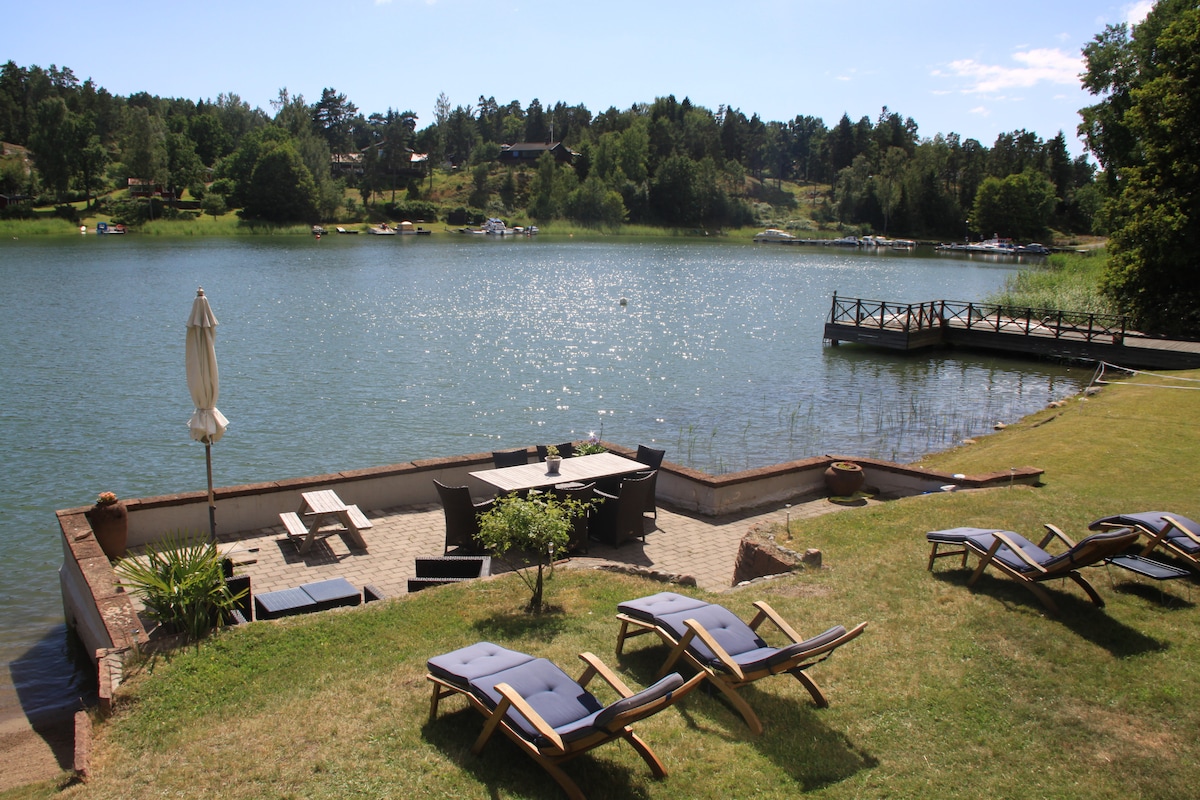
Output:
[[358, 351]]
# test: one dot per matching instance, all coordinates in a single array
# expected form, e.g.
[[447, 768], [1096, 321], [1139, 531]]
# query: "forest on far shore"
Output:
[[665, 163]]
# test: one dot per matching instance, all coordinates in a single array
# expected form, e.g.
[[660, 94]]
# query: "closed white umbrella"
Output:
[[207, 423]]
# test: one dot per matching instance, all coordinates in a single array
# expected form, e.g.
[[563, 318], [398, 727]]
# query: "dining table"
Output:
[[576, 469]]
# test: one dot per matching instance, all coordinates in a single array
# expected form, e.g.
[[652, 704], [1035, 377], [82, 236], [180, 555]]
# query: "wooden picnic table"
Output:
[[306, 524]]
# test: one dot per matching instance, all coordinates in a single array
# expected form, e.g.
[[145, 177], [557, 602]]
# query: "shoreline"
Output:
[[35, 749]]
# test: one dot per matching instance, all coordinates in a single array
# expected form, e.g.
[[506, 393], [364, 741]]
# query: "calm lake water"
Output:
[[352, 352]]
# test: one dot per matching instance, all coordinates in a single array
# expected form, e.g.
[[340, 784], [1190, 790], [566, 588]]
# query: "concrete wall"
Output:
[[104, 617]]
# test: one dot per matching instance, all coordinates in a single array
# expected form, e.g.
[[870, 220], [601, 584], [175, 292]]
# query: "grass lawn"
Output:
[[951, 692]]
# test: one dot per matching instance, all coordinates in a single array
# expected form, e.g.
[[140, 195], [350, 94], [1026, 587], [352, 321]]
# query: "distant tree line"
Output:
[[668, 162]]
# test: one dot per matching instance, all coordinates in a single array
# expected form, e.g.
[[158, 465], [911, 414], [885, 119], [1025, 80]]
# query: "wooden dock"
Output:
[[1015, 330]]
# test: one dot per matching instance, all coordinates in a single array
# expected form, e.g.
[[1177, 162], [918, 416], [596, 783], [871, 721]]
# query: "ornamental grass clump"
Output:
[[182, 585], [526, 532]]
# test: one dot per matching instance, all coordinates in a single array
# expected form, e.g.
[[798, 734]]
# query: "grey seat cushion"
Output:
[[554, 695], [1153, 521], [786, 654], [957, 535], [662, 688], [984, 541], [735, 636], [652, 607], [464, 665]]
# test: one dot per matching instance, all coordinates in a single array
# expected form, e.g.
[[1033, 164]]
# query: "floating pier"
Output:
[[1053, 333]]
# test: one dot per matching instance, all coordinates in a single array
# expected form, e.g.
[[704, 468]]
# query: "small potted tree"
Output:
[[553, 460], [526, 532]]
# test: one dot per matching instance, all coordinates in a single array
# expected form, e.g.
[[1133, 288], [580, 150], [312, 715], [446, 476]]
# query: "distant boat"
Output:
[[340, 229], [773, 235], [496, 227], [846, 241], [382, 229], [317, 230], [406, 229]]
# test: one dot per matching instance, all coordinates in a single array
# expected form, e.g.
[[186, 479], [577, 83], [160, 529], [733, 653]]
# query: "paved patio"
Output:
[[678, 543]]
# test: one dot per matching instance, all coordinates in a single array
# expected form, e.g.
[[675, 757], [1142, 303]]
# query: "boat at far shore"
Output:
[[997, 246], [774, 235], [497, 227]]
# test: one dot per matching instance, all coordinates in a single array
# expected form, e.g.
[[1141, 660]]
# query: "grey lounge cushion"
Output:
[[957, 535], [652, 607], [1153, 521], [1051, 563], [784, 654], [462, 666], [735, 636], [566, 707], [984, 542], [662, 688]]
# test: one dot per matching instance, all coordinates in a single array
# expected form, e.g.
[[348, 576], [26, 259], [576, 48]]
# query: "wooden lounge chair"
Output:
[[1030, 564], [1175, 533], [551, 717], [725, 650]]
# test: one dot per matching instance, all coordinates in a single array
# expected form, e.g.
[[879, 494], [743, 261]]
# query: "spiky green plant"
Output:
[[182, 585]]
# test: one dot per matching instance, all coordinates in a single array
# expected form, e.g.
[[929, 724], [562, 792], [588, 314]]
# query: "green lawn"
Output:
[[951, 692]]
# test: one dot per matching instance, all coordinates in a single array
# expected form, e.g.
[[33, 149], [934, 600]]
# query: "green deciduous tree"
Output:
[[1146, 130], [53, 144], [1018, 206], [281, 187]]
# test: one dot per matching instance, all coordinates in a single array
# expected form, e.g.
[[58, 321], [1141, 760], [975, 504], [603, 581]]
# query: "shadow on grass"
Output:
[[1075, 612], [794, 735], [1155, 594], [506, 771], [799, 741], [519, 624]]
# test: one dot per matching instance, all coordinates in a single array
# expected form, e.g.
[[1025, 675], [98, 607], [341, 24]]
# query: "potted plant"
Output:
[[590, 446], [110, 522], [182, 585], [844, 478], [553, 460], [525, 532]]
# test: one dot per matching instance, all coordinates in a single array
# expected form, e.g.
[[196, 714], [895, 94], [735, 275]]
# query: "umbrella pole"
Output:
[[212, 502]]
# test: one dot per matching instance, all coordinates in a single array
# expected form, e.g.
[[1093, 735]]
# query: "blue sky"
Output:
[[975, 68]]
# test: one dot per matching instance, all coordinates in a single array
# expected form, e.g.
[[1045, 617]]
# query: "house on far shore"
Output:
[[7, 200], [529, 152], [408, 165]]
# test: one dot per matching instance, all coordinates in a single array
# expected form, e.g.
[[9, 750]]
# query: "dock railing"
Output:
[[1046, 322], [908, 317], [992, 317]]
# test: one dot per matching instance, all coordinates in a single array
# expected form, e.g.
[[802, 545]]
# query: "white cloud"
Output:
[[1136, 12], [1039, 65]]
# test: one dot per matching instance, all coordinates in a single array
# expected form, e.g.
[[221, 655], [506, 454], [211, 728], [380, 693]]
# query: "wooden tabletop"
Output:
[[577, 469], [323, 502]]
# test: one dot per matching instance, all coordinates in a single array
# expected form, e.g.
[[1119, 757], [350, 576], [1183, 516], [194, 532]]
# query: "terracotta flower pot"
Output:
[[110, 523], [844, 478]]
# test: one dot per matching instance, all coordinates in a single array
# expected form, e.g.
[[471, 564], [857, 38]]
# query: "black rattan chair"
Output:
[[462, 517], [510, 458], [579, 525], [620, 516], [653, 459], [565, 450]]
